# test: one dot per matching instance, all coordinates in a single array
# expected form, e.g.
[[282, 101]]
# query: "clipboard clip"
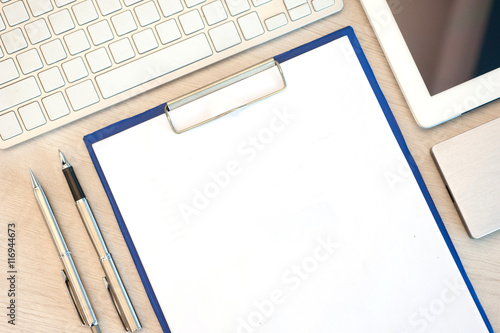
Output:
[[213, 87]]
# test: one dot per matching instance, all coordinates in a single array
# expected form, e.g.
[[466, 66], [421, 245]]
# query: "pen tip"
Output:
[[64, 162], [34, 181]]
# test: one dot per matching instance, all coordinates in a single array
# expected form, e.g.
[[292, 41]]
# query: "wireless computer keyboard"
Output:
[[61, 60]]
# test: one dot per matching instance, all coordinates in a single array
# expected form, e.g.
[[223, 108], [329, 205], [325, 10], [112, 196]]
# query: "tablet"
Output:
[[444, 54]]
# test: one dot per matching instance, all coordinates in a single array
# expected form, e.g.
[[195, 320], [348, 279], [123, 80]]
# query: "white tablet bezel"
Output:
[[428, 110]]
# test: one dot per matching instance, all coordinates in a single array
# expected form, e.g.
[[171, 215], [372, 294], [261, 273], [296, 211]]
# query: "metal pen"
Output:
[[69, 273], [112, 280]]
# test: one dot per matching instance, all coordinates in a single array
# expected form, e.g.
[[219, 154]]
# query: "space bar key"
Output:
[[154, 65]]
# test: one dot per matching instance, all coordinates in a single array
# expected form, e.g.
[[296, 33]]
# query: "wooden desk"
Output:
[[42, 303]]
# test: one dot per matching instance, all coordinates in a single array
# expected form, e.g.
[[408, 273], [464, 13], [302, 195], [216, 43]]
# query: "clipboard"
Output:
[[420, 269]]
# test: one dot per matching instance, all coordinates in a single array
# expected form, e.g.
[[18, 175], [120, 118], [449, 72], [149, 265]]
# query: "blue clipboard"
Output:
[[131, 122]]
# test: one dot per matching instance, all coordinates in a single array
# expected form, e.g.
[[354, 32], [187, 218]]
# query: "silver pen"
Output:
[[69, 273], [112, 280]]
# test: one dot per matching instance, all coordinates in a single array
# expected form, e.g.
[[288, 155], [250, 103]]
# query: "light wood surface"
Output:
[[42, 303]]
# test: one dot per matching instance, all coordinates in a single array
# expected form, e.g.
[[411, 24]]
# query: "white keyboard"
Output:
[[61, 60]]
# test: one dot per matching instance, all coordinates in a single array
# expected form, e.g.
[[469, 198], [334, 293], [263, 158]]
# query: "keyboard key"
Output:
[[39, 7], [322, 4], [145, 41], [85, 12], [192, 3], [14, 41], [257, 3], [121, 50], [98, 60], [108, 6], [250, 26], [289, 4], [53, 51], [299, 12], [32, 116], [74, 69], [56, 106], [147, 13], [154, 65], [60, 3], [1, 53], [224, 36], [124, 23], [130, 2], [18, 92], [82, 95], [8, 71], [51, 79], [276, 21], [77, 42], [214, 12], [2, 25], [168, 31], [37, 31], [29, 61], [170, 7], [15, 13], [191, 21], [100, 32], [237, 6], [9, 126], [61, 21]]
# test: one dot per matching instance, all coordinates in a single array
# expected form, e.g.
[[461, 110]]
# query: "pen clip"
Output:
[[115, 303], [71, 293]]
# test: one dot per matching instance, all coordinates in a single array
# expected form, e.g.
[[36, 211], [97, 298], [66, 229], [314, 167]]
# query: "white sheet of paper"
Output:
[[297, 214]]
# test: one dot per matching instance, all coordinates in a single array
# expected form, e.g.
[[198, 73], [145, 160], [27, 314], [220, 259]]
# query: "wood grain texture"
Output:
[[41, 299]]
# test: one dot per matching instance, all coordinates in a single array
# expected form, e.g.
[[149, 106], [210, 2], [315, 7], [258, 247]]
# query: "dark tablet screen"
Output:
[[451, 41]]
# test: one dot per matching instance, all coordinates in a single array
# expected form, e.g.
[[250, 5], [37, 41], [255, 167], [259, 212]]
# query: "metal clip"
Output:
[[71, 293], [113, 300], [173, 104]]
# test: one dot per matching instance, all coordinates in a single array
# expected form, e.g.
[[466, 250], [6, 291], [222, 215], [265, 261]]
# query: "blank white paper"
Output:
[[296, 214]]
